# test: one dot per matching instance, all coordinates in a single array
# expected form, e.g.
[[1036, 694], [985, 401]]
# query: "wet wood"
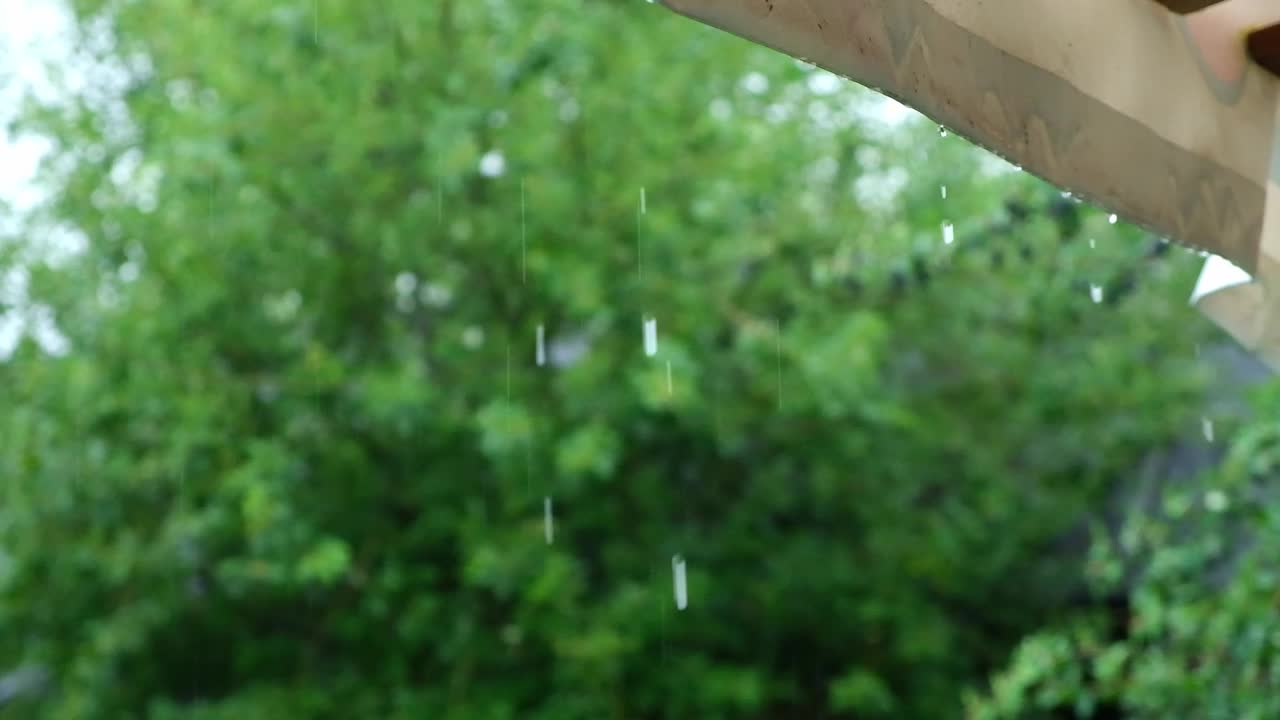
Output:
[[1264, 47], [1182, 7]]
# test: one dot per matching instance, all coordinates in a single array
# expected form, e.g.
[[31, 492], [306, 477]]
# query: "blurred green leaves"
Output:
[[300, 429]]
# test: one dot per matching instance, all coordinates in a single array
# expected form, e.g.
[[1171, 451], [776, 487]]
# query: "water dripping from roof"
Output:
[[524, 238], [680, 582], [777, 324], [650, 336]]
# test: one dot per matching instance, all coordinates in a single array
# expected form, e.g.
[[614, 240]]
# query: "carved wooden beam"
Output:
[[1171, 128]]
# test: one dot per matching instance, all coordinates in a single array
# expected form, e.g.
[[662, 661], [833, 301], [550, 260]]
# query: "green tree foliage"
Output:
[[294, 458], [1196, 635]]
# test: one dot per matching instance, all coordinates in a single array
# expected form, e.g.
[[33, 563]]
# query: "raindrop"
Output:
[[548, 520], [524, 243], [650, 336], [1206, 425], [640, 238], [1092, 243], [670, 390], [540, 353], [944, 192], [948, 233], [1095, 293], [1112, 218], [778, 333], [680, 582], [942, 131]]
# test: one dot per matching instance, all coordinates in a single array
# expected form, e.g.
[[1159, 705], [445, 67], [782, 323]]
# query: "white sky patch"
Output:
[[1217, 274], [493, 164], [35, 36], [36, 32]]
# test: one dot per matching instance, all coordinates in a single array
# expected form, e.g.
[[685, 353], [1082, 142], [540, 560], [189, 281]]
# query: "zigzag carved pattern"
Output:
[[1046, 125]]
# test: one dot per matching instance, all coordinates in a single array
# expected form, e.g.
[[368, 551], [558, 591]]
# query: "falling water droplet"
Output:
[[944, 192], [1206, 425], [548, 521], [942, 131], [948, 233], [642, 203], [1092, 243], [778, 333], [524, 242], [670, 389], [650, 336], [540, 353], [680, 582], [1112, 218], [1095, 293]]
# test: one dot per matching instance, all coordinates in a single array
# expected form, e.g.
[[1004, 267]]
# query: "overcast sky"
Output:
[[32, 32]]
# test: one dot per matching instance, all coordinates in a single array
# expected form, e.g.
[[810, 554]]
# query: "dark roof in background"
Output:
[[1263, 44]]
